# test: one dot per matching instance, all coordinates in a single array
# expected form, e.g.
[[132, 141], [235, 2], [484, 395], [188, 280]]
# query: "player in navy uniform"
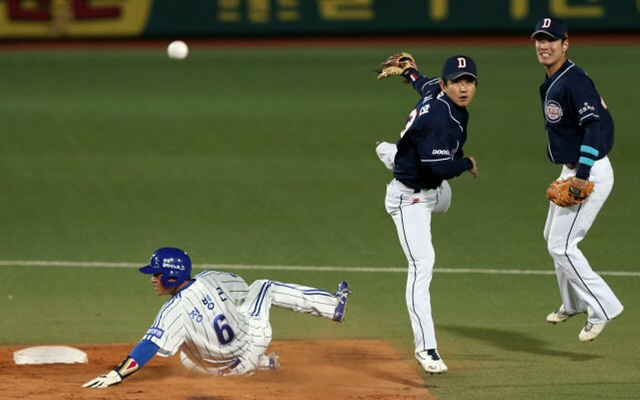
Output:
[[429, 152], [580, 133]]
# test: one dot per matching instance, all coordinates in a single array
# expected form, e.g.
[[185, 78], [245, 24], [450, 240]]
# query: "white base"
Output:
[[50, 355]]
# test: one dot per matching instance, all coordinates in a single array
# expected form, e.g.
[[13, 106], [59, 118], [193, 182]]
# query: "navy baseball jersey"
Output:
[[430, 147], [579, 125]]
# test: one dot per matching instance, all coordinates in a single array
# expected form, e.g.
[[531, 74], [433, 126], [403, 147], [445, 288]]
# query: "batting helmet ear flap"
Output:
[[174, 265]]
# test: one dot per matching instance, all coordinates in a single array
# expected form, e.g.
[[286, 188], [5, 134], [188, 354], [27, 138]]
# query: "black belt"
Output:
[[420, 190], [572, 165], [415, 190]]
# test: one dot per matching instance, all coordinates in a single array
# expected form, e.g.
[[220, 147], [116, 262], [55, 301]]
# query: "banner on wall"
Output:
[[184, 18], [73, 18], [220, 17]]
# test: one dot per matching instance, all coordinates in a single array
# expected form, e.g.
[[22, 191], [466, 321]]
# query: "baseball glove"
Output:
[[397, 64], [564, 193]]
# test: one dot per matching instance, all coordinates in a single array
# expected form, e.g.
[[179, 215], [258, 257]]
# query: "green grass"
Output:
[[266, 156], [491, 329]]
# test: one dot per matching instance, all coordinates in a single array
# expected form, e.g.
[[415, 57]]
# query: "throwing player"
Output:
[[580, 132], [429, 152], [219, 325]]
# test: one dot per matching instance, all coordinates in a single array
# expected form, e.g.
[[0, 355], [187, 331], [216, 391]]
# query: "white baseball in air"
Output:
[[177, 50]]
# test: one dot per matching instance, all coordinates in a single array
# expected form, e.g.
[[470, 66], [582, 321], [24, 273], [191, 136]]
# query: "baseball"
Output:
[[177, 50]]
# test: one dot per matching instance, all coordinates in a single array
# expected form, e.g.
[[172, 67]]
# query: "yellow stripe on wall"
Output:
[[73, 18]]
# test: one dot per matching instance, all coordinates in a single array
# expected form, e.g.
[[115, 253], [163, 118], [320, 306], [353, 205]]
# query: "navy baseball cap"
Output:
[[457, 66], [556, 28]]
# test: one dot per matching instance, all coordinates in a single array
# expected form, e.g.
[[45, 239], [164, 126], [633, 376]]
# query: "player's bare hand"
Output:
[[579, 183], [474, 170], [104, 381]]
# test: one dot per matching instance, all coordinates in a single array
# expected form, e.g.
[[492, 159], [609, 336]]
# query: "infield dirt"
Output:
[[348, 369]]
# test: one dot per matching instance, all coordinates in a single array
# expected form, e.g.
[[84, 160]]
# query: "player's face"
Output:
[[461, 91], [551, 52], [158, 286]]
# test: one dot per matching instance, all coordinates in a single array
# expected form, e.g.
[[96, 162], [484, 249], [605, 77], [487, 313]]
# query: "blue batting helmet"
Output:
[[174, 265]]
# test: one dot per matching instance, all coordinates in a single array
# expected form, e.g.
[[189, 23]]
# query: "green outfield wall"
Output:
[[203, 18]]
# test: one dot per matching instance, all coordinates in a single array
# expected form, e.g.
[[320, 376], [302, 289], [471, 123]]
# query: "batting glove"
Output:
[[103, 381], [387, 153]]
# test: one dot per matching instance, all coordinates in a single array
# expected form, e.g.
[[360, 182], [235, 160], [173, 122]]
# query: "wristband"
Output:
[[127, 367]]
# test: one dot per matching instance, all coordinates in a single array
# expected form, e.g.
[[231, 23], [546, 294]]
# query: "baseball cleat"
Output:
[[591, 331], [342, 294], [431, 361], [269, 362], [558, 316]]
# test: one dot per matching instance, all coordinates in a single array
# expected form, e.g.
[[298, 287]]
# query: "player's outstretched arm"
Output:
[[139, 356], [128, 367]]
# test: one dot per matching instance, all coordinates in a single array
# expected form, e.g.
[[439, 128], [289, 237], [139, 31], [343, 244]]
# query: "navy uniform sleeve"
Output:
[[427, 86], [585, 103], [437, 150], [451, 169], [422, 84], [589, 149]]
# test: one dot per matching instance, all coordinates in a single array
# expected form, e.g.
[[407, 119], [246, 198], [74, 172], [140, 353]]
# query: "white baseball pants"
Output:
[[411, 212], [256, 308], [582, 289]]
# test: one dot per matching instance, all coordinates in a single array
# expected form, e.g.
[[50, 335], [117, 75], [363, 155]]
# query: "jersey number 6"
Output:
[[223, 331]]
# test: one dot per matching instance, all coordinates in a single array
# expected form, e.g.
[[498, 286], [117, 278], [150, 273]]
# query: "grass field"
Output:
[[266, 157]]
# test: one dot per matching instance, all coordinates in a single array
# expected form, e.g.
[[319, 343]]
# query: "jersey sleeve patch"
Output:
[[586, 112], [155, 332]]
